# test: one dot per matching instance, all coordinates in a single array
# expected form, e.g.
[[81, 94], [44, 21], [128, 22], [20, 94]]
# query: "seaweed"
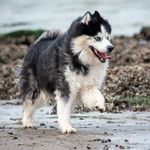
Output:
[[20, 33]]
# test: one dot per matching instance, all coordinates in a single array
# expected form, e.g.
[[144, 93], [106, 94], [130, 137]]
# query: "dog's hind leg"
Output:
[[30, 106], [28, 111]]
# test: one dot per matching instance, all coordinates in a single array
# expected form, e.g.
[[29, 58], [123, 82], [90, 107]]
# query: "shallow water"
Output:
[[126, 16]]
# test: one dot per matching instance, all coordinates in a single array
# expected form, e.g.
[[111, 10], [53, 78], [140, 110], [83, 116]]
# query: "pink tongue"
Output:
[[104, 55], [108, 57]]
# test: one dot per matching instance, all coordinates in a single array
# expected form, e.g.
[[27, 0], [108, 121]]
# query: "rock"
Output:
[[42, 124], [128, 81], [105, 147], [138, 108], [121, 147], [10, 133], [144, 33], [8, 83], [10, 52], [126, 140], [129, 52], [15, 138], [88, 147]]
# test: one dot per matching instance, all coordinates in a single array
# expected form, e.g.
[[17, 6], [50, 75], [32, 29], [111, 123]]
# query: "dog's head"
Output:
[[91, 38]]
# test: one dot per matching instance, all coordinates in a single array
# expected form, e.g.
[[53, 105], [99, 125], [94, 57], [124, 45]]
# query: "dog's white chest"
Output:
[[94, 77]]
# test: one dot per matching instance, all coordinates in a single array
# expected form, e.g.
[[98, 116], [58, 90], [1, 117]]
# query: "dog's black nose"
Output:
[[110, 49]]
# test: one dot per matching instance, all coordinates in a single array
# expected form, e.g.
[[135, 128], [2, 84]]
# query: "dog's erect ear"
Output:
[[86, 18], [97, 15]]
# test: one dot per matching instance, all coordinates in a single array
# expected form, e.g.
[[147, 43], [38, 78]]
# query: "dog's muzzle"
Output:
[[101, 55]]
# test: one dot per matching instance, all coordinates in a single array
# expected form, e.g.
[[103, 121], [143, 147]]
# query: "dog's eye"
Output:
[[98, 38]]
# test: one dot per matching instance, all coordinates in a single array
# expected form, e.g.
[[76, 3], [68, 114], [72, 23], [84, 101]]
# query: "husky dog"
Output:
[[67, 67]]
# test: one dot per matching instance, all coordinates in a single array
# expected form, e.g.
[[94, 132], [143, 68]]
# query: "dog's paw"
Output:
[[99, 107], [27, 125], [65, 129]]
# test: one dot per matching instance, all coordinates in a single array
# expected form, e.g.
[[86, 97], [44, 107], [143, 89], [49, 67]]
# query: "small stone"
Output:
[[121, 147], [10, 133], [106, 133], [88, 147], [15, 138], [104, 141], [97, 140], [126, 140], [42, 124], [105, 147]]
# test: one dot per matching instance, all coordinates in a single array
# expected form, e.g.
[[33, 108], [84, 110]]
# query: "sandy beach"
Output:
[[96, 131]]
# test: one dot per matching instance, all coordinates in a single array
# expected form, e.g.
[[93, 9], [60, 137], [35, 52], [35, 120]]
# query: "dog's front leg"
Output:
[[64, 113], [93, 99]]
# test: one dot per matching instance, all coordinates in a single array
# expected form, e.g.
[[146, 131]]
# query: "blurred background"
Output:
[[126, 16]]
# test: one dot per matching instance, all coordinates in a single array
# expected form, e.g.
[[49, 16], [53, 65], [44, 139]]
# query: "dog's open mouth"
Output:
[[100, 55]]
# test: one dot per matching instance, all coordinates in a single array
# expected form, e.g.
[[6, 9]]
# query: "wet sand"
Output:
[[96, 131]]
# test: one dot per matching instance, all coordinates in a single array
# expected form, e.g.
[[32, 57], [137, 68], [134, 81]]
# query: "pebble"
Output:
[[96, 140], [126, 140], [75, 148], [105, 147], [121, 147], [10, 133], [42, 124], [88, 147], [15, 138]]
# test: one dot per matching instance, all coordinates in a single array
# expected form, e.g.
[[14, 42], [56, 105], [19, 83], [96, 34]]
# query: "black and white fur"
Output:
[[63, 67]]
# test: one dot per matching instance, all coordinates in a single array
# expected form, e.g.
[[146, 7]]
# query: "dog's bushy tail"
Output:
[[49, 35], [29, 88], [28, 85]]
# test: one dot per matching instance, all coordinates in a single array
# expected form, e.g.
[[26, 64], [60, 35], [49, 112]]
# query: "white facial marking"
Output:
[[103, 31], [80, 46], [102, 44]]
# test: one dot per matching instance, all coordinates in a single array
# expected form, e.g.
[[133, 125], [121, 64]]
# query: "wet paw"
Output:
[[28, 125], [67, 129], [100, 107]]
